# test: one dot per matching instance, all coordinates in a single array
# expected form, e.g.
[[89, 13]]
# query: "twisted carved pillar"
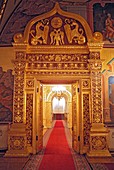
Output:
[[17, 141], [98, 133]]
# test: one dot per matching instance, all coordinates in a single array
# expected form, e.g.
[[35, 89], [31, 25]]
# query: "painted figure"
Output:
[[109, 27]]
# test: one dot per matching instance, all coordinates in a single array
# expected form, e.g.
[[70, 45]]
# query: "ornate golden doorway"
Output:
[[58, 47]]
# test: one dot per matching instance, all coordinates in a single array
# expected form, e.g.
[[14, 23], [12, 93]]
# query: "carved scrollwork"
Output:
[[95, 55], [95, 65], [98, 37], [56, 57], [29, 83], [19, 91], [18, 38], [96, 92], [57, 31], [86, 119], [29, 118], [40, 34], [74, 32], [86, 84], [20, 55]]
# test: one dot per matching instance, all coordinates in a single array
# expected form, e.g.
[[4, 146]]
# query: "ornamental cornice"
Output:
[[57, 73], [95, 46]]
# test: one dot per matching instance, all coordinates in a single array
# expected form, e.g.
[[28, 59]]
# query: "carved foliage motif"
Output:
[[57, 57], [17, 142], [95, 55], [95, 66], [99, 142], [29, 118], [53, 61], [19, 91], [29, 83], [86, 84], [57, 31], [86, 119], [20, 55], [96, 92]]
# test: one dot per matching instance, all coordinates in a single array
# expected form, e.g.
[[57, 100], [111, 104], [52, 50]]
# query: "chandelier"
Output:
[[59, 91]]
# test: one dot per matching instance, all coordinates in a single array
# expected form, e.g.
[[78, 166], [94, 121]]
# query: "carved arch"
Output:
[[56, 10]]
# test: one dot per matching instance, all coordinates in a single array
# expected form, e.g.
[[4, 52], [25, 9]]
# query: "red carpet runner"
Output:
[[57, 155]]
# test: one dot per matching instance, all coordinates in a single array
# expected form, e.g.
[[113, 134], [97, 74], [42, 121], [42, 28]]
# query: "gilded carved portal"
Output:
[[58, 47]]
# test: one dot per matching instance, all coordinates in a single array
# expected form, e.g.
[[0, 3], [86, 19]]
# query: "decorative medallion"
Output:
[[56, 22]]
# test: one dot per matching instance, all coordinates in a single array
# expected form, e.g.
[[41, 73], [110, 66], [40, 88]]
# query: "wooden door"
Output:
[[75, 117], [39, 116]]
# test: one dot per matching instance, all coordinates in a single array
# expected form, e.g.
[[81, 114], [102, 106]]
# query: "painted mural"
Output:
[[104, 20], [6, 95]]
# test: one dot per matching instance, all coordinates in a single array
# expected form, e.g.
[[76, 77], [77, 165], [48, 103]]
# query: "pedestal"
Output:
[[99, 141], [17, 141]]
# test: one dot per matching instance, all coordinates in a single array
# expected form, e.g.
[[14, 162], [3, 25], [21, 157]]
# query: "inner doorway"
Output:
[[58, 102], [59, 108]]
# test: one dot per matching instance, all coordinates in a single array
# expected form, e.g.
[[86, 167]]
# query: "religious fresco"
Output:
[[104, 20], [23, 13], [6, 95]]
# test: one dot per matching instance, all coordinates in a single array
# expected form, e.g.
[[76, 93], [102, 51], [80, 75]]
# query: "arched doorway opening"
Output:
[[59, 108], [57, 103]]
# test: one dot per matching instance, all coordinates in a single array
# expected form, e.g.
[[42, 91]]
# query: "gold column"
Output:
[[17, 140], [98, 133]]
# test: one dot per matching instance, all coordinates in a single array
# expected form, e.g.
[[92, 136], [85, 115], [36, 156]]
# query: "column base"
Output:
[[99, 153], [17, 141], [17, 153], [99, 141]]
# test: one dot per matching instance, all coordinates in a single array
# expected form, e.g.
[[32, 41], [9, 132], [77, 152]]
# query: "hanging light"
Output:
[[59, 91]]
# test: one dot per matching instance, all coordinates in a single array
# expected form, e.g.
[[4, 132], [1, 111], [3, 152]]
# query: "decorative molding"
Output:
[[19, 91]]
